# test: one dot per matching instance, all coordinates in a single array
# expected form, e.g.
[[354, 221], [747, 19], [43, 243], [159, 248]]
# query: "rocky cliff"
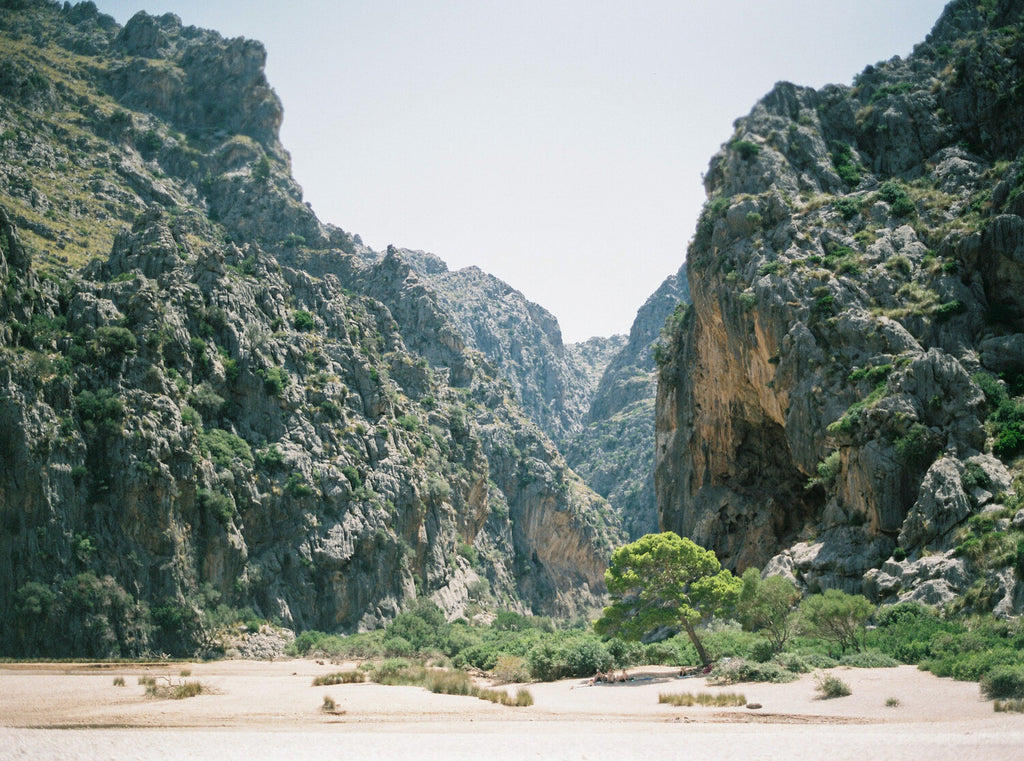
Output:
[[210, 401], [840, 403]]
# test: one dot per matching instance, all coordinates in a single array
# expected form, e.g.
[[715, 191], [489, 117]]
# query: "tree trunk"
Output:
[[701, 652]]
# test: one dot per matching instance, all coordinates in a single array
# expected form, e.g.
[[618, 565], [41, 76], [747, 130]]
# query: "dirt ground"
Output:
[[270, 710]]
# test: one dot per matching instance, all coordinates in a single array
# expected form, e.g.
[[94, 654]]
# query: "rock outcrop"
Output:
[[850, 361], [209, 400]]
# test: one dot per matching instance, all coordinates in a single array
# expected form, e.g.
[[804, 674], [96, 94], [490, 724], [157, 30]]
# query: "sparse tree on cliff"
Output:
[[663, 580]]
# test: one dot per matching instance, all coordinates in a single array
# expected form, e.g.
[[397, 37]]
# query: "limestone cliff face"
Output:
[[828, 404], [209, 398]]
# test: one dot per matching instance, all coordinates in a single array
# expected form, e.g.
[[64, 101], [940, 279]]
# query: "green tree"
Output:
[[768, 606], [662, 580], [837, 616]]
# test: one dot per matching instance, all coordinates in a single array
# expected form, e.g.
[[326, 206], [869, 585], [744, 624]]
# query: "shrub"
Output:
[[746, 149], [274, 380], [797, 663], [170, 690], [892, 702], [1003, 682], [894, 194], [328, 706], [303, 320], [587, 656], [225, 447], [1007, 706], [845, 166], [1008, 429], [512, 668], [737, 670], [831, 686], [916, 448], [113, 339], [848, 208], [119, 681]]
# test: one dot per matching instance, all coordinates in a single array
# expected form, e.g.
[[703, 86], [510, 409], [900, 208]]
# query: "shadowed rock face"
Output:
[[208, 397], [855, 276]]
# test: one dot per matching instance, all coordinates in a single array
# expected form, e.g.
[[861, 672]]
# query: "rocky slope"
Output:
[[839, 402], [210, 402]]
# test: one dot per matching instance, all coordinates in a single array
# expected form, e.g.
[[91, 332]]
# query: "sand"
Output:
[[259, 710]]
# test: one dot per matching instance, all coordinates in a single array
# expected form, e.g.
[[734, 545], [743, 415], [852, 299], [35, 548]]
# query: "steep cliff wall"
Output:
[[832, 401], [208, 398]]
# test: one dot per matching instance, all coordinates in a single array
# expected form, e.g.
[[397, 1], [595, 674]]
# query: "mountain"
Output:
[[553, 383], [214, 405], [841, 403]]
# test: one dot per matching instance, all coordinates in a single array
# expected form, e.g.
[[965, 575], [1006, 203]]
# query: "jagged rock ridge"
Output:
[[831, 403]]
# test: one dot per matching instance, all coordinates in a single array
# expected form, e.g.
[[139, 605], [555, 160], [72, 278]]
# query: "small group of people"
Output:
[[607, 677]]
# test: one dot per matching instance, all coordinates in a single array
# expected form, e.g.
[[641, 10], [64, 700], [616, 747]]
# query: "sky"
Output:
[[557, 144]]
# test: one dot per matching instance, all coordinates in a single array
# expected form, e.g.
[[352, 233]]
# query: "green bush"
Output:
[[220, 506], [894, 194], [746, 149], [1003, 682], [916, 449], [113, 339], [1008, 429], [868, 659], [848, 208], [736, 670], [586, 656], [303, 321], [845, 166], [225, 447], [274, 380]]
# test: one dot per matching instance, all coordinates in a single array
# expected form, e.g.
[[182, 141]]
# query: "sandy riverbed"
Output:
[[270, 710]]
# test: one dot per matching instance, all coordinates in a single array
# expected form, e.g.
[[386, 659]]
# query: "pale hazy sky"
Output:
[[557, 144]]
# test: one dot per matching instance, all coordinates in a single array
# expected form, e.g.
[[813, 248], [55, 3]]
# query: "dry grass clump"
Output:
[[892, 702], [119, 681], [460, 683], [329, 706], [165, 688], [1013, 705], [719, 700], [340, 677]]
